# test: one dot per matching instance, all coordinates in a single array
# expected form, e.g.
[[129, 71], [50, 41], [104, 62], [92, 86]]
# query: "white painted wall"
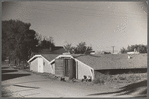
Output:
[[40, 65], [47, 68], [34, 65], [83, 69], [53, 68], [132, 52]]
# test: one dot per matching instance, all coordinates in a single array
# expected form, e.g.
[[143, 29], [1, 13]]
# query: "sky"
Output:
[[99, 24]]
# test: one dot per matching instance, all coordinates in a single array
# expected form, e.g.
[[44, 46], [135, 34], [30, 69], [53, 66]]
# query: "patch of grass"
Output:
[[102, 78], [119, 78]]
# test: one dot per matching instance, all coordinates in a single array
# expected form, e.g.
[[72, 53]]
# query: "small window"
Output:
[[43, 63]]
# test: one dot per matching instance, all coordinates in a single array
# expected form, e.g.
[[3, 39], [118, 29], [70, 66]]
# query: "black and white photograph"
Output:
[[74, 49]]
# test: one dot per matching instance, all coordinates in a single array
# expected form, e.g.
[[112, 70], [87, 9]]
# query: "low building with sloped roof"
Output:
[[77, 65], [41, 63]]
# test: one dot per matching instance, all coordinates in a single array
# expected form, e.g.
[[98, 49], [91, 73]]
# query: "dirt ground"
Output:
[[21, 83]]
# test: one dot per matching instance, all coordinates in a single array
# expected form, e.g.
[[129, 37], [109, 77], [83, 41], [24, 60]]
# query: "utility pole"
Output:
[[113, 48]]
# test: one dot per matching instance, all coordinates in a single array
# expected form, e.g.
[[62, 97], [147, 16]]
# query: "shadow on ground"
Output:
[[12, 76], [26, 86], [7, 71], [5, 67], [122, 71], [129, 89]]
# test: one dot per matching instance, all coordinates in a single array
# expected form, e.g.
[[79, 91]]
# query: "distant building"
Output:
[[56, 50], [104, 52], [133, 52], [93, 52]]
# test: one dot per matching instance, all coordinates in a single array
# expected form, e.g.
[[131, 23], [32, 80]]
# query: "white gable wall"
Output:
[[47, 67], [34, 65], [40, 64], [53, 68], [83, 69]]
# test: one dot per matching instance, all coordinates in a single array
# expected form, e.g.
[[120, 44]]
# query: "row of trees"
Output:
[[139, 48], [18, 41], [81, 48], [45, 42]]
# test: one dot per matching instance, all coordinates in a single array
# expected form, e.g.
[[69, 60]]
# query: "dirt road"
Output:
[[18, 83]]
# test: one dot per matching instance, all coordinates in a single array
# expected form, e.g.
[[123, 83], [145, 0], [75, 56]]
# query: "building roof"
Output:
[[113, 61], [107, 61], [50, 57]]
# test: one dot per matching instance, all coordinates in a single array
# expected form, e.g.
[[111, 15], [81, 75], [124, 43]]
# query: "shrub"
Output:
[[119, 78], [102, 78], [99, 81]]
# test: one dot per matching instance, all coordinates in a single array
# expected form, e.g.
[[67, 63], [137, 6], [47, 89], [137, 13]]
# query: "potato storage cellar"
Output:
[[36, 64], [61, 65], [68, 66], [65, 67], [41, 63], [78, 66]]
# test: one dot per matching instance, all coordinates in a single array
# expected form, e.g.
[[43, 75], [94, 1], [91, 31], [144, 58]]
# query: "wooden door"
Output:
[[59, 68], [66, 68]]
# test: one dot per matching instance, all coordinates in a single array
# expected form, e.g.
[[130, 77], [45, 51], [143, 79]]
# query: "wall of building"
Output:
[[34, 65], [47, 67], [83, 69], [40, 64], [132, 52], [53, 68]]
